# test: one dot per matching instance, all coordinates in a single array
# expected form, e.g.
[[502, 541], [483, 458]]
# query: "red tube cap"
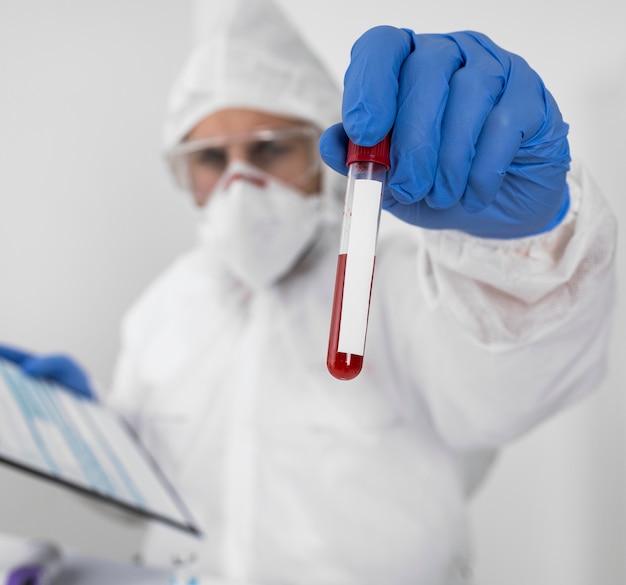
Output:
[[379, 153]]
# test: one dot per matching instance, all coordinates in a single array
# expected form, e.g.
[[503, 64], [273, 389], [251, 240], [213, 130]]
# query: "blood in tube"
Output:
[[343, 366], [355, 264]]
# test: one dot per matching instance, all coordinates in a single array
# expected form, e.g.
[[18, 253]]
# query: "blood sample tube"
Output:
[[367, 169]]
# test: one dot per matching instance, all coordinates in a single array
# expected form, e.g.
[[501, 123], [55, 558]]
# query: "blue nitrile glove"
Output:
[[55, 368], [478, 142]]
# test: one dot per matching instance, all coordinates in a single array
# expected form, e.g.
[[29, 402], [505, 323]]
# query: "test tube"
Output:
[[367, 170]]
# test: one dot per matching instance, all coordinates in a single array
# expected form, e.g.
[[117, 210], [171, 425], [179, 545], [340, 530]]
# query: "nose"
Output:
[[205, 180], [236, 152]]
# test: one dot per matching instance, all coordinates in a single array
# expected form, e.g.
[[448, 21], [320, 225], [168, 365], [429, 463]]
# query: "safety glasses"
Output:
[[288, 154]]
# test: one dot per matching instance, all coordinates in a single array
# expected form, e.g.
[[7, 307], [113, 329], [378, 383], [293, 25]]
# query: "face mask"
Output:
[[257, 227]]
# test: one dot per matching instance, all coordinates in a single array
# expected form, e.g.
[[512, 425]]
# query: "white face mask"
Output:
[[257, 227]]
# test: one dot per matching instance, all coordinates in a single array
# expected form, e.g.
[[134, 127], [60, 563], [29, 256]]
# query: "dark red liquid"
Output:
[[344, 366]]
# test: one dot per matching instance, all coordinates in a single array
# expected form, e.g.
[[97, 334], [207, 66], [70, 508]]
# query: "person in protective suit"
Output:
[[490, 307]]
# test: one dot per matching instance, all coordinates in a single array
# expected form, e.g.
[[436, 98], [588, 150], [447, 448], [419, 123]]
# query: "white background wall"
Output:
[[88, 216]]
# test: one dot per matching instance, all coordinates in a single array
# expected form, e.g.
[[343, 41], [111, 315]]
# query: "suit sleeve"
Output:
[[516, 329]]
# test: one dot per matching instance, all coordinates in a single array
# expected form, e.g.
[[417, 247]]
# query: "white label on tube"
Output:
[[359, 266]]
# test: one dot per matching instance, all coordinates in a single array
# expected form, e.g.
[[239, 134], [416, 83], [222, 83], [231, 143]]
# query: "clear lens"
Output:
[[288, 154]]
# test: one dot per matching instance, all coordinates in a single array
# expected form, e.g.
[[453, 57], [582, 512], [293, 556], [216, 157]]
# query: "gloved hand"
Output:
[[55, 368], [478, 142]]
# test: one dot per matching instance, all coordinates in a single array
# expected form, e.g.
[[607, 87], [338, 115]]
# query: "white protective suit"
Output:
[[297, 478]]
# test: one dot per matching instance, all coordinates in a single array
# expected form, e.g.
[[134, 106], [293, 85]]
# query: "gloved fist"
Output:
[[55, 368], [478, 143]]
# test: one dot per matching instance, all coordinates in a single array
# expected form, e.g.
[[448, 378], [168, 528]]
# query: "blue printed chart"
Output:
[[83, 445]]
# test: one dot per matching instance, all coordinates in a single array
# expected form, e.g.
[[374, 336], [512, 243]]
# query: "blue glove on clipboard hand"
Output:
[[57, 368], [478, 143]]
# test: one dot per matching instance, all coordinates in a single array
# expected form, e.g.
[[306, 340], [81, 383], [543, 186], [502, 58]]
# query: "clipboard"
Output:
[[48, 431]]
